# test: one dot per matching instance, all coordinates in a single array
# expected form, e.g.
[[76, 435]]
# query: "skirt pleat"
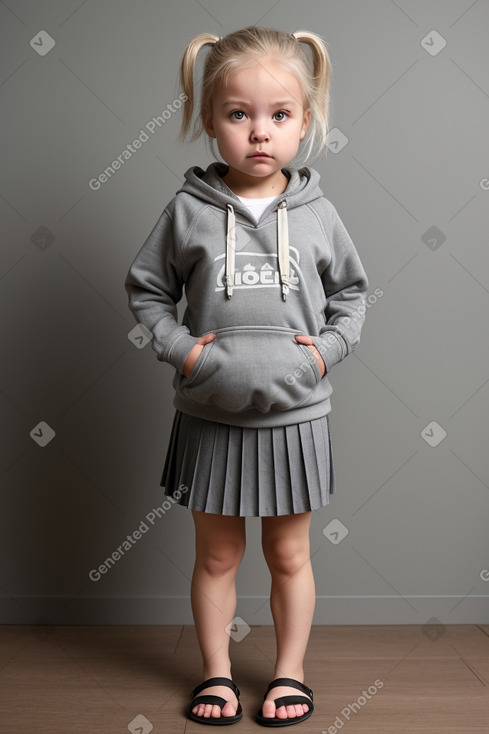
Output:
[[249, 472]]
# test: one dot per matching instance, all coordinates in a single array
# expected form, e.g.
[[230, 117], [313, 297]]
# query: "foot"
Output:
[[208, 710], [284, 712]]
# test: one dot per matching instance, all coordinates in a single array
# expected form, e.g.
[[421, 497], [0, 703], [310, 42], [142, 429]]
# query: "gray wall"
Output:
[[411, 186]]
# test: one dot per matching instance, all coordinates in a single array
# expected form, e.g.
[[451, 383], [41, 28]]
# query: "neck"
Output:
[[252, 187]]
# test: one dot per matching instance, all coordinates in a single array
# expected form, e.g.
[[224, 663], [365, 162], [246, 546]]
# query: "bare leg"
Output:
[[220, 542], [286, 547]]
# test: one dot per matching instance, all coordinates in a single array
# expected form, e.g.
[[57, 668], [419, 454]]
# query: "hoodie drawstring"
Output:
[[282, 245], [230, 251]]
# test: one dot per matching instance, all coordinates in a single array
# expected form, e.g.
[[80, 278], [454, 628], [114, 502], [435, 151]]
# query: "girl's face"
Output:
[[260, 110]]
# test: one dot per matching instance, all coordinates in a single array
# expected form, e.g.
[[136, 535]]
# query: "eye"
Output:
[[281, 112], [237, 112]]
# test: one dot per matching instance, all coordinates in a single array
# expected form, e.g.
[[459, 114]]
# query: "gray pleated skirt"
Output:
[[255, 472]]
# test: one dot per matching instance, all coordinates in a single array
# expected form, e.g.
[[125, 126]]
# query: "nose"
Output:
[[259, 135]]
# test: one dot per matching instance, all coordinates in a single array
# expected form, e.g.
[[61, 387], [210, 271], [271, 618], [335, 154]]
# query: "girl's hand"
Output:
[[309, 343], [194, 353]]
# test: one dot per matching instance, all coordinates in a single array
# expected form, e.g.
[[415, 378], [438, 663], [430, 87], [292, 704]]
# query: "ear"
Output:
[[208, 122], [307, 117]]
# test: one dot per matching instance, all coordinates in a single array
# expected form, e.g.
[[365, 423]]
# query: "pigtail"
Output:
[[322, 73], [187, 67]]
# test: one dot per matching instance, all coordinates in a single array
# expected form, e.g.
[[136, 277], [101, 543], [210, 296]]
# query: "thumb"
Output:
[[206, 339], [304, 339]]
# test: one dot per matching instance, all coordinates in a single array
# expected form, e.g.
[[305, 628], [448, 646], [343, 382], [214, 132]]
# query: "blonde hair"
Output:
[[243, 49]]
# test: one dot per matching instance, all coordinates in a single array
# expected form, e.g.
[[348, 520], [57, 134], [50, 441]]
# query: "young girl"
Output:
[[275, 298]]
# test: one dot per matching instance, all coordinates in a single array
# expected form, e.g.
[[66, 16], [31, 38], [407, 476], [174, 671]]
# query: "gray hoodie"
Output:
[[255, 285]]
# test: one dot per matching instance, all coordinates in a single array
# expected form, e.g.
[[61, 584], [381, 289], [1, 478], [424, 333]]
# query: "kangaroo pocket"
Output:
[[253, 367]]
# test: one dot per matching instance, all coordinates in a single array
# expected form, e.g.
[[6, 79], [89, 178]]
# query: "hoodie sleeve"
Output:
[[345, 285], [154, 286]]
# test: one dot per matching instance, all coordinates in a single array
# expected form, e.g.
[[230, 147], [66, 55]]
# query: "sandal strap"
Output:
[[287, 700], [216, 682], [291, 683]]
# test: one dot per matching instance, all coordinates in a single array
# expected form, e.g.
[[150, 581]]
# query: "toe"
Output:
[[282, 712], [216, 712], [268, 709], [291, 712], [229, 709]]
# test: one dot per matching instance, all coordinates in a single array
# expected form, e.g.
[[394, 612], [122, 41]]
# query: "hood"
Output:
[[208, 186]]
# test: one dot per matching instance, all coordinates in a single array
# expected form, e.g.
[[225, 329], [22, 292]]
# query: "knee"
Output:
[[286, 556], [222, 559]]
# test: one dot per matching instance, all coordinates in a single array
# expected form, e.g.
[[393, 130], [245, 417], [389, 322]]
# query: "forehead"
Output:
[[263, 81]]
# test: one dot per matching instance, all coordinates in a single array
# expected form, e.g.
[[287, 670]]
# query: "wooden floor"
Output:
[[375, 679]]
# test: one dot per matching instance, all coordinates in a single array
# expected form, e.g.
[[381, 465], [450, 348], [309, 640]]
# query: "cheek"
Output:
[[234, 136], [227, 141], [227, 131]]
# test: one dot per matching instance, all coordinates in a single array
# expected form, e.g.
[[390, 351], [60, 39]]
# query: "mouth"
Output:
[[259, 155]]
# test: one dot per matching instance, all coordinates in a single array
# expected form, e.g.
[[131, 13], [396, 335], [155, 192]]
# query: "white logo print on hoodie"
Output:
[[259, 274]]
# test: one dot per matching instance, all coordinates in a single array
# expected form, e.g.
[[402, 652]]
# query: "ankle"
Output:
[[217, 671]]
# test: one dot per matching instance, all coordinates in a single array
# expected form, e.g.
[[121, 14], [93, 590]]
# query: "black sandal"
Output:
[[287, 701], [209, 698]]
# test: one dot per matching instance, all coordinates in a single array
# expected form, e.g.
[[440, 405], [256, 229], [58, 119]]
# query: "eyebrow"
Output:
[[283, 103]]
